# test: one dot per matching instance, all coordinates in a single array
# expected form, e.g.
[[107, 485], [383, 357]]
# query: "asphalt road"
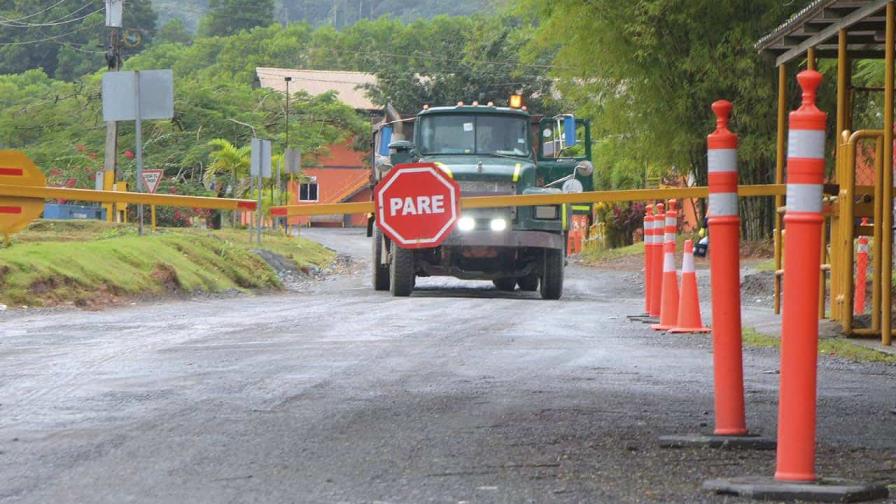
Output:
[[341, 394]]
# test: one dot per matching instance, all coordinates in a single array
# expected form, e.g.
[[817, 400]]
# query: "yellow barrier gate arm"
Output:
[[23, 189], [44, 193], [540, 199]]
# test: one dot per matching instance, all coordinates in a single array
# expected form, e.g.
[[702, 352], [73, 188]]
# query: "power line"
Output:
[[72, 45], [47, 39], [61, 21], [34, 14]]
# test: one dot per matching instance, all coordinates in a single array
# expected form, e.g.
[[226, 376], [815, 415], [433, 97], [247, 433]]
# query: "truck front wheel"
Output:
[[552, 274], [380, 270], [401, 272]]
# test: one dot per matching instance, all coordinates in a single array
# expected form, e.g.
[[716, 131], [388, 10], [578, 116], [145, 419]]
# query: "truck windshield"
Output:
[[474, 134]]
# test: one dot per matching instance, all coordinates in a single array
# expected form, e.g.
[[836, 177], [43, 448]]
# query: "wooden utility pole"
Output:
[[110, 160]]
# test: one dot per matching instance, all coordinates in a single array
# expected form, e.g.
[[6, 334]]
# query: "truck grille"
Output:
[[485, 188]]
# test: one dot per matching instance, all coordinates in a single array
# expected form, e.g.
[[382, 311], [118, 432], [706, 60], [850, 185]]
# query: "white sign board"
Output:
[[152, 179], [293, 160], [261, 158], [114, 13], [156, 88]]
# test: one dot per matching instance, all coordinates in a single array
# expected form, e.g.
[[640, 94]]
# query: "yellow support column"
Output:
[[876, 261], [779, 178], [886, 270], [841, 211]]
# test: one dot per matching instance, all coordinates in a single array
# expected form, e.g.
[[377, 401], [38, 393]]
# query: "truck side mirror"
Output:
[[402, 151], [385, 140], [569, 131], [400, 146]]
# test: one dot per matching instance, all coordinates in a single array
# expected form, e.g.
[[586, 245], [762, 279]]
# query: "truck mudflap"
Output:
[[516, 239]]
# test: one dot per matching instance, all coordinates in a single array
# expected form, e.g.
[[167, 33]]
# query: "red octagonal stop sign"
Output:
[[417, 205]]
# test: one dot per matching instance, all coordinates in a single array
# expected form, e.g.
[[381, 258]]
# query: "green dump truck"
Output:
[[488, 150]]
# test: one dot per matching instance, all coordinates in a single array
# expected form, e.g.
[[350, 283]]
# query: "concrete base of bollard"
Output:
[[747, 442], [823, 490], [682, 330]]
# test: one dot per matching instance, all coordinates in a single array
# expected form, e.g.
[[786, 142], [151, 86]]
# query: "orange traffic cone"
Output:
[[669, 308], [689, 319]]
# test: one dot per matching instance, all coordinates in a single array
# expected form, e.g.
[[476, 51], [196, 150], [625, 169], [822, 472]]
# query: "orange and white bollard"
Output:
[[689, 319], [802, 259], [803, 221], [648, 254], [861, 273], [656, 269], [724, 232], [669, 295]]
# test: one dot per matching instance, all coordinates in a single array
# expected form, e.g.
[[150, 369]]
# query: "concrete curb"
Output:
[[747, 442], [823, 490]]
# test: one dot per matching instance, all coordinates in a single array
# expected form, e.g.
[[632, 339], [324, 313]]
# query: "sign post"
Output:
[[135, 96], [417, 205], [151, 180], [260, 168]]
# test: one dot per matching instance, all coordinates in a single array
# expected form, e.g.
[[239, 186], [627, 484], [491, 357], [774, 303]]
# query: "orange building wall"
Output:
[[342, 176]]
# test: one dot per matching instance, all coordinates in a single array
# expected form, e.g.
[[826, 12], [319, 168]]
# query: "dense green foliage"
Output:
[[226, 17], [646, 72]]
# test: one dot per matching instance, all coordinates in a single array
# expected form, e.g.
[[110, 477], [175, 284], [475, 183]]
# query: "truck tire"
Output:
[[401, 272], [380, 270], [505, 284], [528, 283], [552, 276]]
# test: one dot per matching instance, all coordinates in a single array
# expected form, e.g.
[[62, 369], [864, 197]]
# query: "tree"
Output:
[[646, 72], [230, 163], [174, 32], [226, 17]]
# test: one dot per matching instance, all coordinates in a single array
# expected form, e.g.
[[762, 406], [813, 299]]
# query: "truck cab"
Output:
[[489, 150]]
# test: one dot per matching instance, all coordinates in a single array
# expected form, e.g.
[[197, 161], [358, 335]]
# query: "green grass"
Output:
[[596, 256], [834, 347], [55, 263], [302, 252], [766, 265]]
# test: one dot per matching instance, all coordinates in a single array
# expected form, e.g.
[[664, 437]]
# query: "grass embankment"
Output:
[[93, 263], [835, 347], [594, 255]]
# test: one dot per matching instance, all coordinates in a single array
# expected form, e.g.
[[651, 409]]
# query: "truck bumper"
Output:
[[509, 238]]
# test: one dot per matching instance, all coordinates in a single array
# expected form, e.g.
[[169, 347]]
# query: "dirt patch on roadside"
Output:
[[165, 276]]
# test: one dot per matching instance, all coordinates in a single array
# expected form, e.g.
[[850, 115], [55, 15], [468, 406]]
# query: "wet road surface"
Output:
[[342, 394]]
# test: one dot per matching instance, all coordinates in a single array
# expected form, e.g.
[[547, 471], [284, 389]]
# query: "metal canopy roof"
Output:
[[818, 25]]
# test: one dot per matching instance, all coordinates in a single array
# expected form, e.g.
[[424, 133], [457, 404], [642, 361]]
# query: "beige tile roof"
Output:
[[347, 85]]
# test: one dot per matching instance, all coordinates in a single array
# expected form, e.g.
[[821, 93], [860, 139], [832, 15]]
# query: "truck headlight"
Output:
[[466, 224], [547, 212], [498, 225]]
